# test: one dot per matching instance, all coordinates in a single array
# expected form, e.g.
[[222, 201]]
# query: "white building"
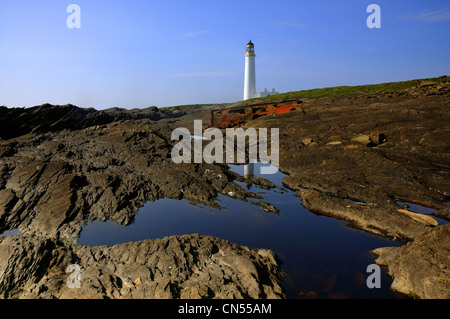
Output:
[[250, 78], [266, 93]]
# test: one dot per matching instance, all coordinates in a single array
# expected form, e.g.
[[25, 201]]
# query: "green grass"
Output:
[[185, 106], [413, 295], [339, 91], [193, 107]]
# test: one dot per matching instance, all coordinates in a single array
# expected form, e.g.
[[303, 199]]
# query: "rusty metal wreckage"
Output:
[[235, 116]]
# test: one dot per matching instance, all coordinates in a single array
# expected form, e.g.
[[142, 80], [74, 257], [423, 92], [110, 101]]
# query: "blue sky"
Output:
[[143, 53]]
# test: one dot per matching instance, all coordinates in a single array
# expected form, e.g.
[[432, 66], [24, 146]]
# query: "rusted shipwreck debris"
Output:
[[238, 115]]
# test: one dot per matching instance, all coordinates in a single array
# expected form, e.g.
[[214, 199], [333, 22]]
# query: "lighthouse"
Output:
[[249, 78]]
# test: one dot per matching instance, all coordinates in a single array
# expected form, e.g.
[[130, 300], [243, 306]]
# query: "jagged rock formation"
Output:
[[53, 181], [420, 268], [189, 266], [52, 118]]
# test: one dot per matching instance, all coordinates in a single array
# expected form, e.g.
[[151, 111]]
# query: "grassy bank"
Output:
[[338, 91]]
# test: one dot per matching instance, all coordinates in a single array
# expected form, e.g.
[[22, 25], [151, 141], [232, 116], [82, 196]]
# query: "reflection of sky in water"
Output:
[[415, 208], [14, 231], [309, 245]]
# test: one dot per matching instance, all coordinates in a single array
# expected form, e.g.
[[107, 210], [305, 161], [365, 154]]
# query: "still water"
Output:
[[322, 257]]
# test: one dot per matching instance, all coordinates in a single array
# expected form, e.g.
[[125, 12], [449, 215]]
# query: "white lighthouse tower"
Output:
[[249, 79]]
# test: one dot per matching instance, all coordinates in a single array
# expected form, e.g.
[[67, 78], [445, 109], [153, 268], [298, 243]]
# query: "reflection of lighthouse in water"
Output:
[[248, 173], [248, 170]]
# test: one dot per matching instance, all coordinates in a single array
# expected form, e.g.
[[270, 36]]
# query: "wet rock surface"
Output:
[[420, 268], [349, 157], [354, 157], [393, 147], [384, 221], [53, 118], [55, 181], [189, 266]]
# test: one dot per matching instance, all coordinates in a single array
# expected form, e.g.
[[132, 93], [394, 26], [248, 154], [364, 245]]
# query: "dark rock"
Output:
[[267, 207], [411, 143], [377, 138], [111, 171], [420, 268], [382, 220], [189, 266], [54, 118]]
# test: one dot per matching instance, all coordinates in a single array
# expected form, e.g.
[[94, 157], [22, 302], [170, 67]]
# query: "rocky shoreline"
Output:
[[53, 181], [352, 158], [420, 268], [355, 157], [189, 266]]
